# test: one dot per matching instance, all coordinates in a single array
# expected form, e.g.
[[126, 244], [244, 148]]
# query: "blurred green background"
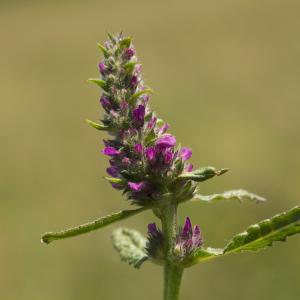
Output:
[[226, 77]]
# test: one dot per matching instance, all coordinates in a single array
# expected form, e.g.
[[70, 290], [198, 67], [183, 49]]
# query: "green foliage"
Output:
[[131, 246], [97, 126], [134, 97], [255, 237], [90, 226], [239, 195], [202, 174]]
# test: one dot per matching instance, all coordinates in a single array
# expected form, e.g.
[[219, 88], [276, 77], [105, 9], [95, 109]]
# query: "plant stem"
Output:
[[172, 271], [172, 280]]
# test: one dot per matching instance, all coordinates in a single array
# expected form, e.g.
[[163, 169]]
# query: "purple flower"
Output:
[[150, 153], [123, 104], [185, 153], [113, 171], [166, 141], [105, 102], [164, 128], [126, 161], [102, 68], [168, 156], [139, 114], [152, 229], [189, 239], [138, 148], [136, 186], [110, 151], [152, 122], [129, 52], [134, 81], [188, 167]]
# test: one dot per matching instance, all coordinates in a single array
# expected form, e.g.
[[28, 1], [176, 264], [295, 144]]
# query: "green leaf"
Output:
[[135, 96], [264, 233], [98, 81], [115, 180], [131, 246], [125, 43], [130, 66], [239, 195], [103, 50], [255, 237], [202, 174], [97, 126], [90, 226]]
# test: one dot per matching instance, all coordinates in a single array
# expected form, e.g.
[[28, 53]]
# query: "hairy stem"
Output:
[[172, 280], [172, 272]]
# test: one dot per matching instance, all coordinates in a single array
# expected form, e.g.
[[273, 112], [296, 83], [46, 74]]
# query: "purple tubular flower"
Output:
[[138, 148], [126, 161], [136, 186], [105, 102], [189, 239], [139, 114], [150, 153], [188, 167], [112, 171], [152, 122], [102, 68], [168, 156], [187, 229], [152, 229], [110, 151], [123, 104], [166, 141], [185, 153], [134, 81], [129, 52], [164, 128]]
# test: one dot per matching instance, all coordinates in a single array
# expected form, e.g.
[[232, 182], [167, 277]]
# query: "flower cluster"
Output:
[[144, 160], [188, 240]]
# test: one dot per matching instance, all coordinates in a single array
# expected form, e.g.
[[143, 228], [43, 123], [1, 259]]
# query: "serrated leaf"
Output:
[[97, 126], [90, 226], [135, 96], [239, 195], [264, 233], [131, 246], [255, 237], [202, 174]]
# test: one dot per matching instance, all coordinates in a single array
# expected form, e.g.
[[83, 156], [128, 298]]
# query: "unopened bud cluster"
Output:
[[188, 241]]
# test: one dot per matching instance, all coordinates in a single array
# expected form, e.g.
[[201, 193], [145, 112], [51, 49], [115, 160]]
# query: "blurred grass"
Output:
[[226, 77]]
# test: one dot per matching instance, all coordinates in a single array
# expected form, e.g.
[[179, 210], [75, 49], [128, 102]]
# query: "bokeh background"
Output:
[[226, 76]]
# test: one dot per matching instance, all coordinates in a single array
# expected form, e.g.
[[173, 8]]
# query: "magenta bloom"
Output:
[[150, 153], [188, 167], [136, 186], [112, 171], [102, 68], [166, 141], [105, 102], [164, 128], [139, 114], [189, 239], [168, 156], [138, 148], [185, 153], [110, 151], [129, 53]]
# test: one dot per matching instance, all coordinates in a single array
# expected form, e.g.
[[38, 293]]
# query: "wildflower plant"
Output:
[[153, 172]]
